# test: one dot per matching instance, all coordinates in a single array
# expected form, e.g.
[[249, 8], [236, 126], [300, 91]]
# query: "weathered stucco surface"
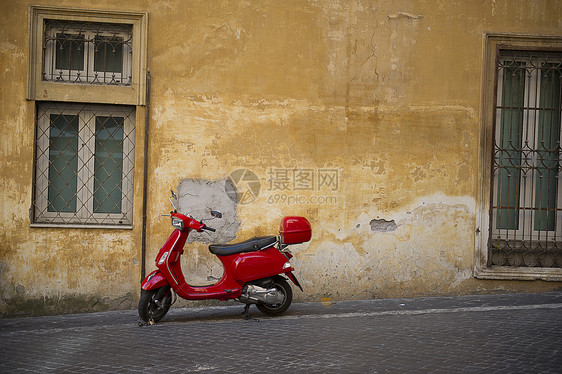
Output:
[[383, 94]]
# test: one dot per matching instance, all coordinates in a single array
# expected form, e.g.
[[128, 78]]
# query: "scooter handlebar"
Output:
[[208, 228]]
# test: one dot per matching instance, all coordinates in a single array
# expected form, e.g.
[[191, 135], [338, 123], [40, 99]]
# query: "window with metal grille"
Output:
[[84, 164], [87, 52], [526, 209]]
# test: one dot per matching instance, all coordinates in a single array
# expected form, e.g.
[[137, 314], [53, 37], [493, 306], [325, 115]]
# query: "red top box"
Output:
[[294, 230]]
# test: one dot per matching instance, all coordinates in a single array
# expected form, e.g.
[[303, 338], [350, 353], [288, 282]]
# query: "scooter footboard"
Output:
[[154, 280]]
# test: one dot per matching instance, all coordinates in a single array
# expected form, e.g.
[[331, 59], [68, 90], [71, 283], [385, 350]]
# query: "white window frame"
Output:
[[527, 188], [88, 73], [84, 214]]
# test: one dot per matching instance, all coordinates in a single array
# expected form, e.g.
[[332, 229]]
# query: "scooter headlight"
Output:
[[177, 223]]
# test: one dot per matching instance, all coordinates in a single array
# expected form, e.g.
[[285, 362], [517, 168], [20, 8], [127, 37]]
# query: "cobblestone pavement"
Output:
[[516, 333]]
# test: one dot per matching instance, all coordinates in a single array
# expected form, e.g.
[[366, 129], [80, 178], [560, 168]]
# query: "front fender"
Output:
[[154, 280]]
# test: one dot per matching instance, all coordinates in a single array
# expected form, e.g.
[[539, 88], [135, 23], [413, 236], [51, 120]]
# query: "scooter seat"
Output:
[[255, 244]]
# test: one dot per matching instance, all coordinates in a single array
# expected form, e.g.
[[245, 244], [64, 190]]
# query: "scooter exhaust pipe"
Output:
[[253, 294]]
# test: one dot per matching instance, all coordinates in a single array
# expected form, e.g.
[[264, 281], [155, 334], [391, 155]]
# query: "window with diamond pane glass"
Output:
[[84, 164]]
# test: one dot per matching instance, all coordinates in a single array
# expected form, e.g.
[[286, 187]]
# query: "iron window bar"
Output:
[[87, 52], [526, 211]]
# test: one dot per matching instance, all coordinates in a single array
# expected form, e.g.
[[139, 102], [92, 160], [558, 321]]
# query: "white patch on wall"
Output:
[[196, 198]]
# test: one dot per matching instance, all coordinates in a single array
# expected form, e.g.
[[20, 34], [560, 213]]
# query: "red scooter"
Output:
[[254, 270]]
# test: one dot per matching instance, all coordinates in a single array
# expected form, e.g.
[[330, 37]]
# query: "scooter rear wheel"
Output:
[[149, 310], [275, 309]]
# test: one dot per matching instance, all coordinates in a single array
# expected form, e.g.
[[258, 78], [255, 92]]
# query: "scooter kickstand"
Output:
[[246, 312]]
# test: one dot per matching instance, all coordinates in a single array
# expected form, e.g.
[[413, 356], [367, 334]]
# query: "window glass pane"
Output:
[[509, 151], [108, 164], [63, 163], [108, 54], [548, 136], [70, 51]]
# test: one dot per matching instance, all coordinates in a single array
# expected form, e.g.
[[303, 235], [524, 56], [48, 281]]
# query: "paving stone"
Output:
[[468, 334]]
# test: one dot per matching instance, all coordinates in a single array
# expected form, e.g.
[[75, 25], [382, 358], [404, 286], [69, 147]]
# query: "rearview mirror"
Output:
[[216, 214], [173, 197]]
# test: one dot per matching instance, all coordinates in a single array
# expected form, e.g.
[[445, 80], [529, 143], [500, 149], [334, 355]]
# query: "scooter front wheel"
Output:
[[275, 309], [149, 310]]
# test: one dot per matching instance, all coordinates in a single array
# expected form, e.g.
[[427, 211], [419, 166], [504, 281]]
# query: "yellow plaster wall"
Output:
[[385, 92]]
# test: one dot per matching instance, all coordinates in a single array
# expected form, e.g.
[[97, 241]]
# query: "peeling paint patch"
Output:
[[196, 197], [382, 225], [399, 15]]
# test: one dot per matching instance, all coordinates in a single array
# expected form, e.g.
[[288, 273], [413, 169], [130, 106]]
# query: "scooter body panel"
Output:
[[172, 248], [249, 266]]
